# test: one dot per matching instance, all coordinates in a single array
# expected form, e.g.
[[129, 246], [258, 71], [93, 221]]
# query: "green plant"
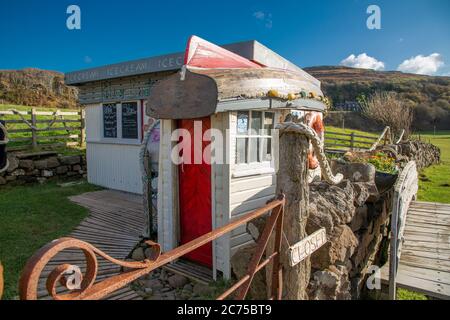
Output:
[[381, 161]]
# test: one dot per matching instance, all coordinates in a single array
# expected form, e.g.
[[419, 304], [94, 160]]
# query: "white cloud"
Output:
[[264, 17], [422, 64], [362, 61], [87, 59], [259, 15]]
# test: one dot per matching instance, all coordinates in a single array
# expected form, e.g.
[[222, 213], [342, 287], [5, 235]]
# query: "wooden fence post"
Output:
[[83, 127], [352, 141], [33, 130], [292, 181]]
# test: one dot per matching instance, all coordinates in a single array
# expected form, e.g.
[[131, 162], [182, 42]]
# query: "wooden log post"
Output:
[[83, 127], [292, 181], [352, 141], [33, 130], [147, 195]]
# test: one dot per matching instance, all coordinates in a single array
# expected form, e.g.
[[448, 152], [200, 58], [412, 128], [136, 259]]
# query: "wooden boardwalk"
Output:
[[115, 226], [425, 256]]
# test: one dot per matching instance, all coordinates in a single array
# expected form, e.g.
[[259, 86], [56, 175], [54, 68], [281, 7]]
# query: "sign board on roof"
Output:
[[155, 64]]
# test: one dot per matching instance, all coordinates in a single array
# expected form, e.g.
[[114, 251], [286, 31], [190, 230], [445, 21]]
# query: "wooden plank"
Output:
[[66, 136], [425, 257], [112, 227]]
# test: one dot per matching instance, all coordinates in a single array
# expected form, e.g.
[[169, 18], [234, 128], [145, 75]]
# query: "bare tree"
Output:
[[389, 110]]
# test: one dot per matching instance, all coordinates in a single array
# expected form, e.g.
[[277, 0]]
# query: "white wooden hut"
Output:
[[114, 97], [223, 91]]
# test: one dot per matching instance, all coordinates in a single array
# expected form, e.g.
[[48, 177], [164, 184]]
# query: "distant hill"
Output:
[[35, 87], [429, 95]]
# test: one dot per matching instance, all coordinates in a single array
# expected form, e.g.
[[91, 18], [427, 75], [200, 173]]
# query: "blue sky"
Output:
[[309, 33]]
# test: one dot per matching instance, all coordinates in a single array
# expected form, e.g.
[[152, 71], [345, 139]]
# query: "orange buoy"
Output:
[[314, 120]]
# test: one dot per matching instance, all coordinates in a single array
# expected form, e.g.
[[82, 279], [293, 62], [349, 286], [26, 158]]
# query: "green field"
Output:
[[43, 141], [334, 133], [434, 185], [31, 216]]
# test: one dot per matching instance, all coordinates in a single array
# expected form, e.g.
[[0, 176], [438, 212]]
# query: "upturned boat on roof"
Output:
[[216, 80]]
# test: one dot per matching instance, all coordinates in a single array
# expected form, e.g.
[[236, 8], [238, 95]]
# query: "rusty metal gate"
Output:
[[90, 289]]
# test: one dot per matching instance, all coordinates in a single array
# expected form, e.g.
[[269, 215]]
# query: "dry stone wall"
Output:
[[42, 166], [356, 218]]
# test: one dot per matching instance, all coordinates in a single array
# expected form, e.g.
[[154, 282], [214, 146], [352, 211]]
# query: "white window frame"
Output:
[[119, 139], [257, 167]]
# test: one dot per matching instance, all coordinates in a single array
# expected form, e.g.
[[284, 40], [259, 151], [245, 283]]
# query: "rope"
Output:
[[286, 239], [317, 144], [144, 173]]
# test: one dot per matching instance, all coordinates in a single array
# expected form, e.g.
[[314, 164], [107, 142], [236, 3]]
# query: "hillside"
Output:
[[430, 96], [35, 87]]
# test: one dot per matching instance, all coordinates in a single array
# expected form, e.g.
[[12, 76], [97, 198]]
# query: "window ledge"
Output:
[[132, 142], [252, 172]]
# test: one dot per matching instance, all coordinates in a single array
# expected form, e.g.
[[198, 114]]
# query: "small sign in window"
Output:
[[110, 120], [129, 120]]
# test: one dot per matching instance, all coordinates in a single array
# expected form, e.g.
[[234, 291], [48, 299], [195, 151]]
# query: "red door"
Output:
[[195, 194]]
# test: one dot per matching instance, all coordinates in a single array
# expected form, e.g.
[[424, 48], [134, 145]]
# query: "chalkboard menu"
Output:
[[110, 120], [129, 120]]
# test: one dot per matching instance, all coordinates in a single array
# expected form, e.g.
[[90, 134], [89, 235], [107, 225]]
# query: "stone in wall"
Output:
[[355, 172], [330, 284], [26, 164], [70, 160], [330, 205], [13, 163], [339, 248]]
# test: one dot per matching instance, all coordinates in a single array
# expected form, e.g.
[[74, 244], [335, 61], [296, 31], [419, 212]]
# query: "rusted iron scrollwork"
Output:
[[70, 275], [85, 287]]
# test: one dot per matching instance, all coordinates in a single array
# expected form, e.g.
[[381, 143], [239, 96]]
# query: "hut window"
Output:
[[254, 136], [242, 140], [129, 120], [121, 122], [110, 120]]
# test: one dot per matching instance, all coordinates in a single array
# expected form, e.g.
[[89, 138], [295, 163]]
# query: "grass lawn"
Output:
[[434, 184], [31, 216], [331, 136]]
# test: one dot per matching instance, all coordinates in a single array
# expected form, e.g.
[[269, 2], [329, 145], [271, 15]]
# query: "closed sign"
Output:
[[305, 247]]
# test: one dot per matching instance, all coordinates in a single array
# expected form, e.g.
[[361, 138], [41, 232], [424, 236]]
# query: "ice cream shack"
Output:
[[218, 147]]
